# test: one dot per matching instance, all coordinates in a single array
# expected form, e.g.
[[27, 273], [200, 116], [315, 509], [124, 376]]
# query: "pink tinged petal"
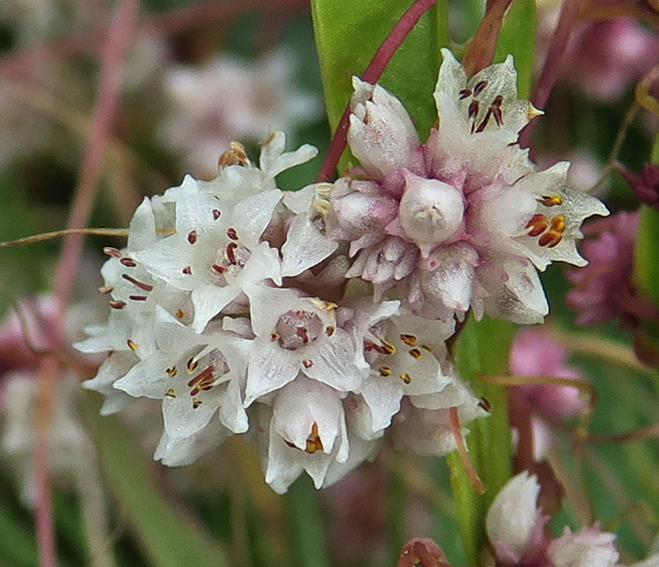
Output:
[[426, 432], [333, 363], [270, 368], [383, 397], [448, 274], [381, 134], [513, 517], [360, 450], [431, 211], [305, 247], [515, 291], [588, 547], [185, 451]]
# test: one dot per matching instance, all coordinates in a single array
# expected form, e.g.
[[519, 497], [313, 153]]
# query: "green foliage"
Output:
[[348, 34], [166, 536]]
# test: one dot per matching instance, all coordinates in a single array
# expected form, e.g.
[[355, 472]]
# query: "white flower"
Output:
[[227, 99], [514, 520], [465, 219], [588, 547]]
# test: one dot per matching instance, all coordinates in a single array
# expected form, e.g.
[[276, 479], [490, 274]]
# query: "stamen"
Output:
[[191, 365], [485, 404], [187, 270], [216, 214], [550, 239], [219, 269], [171, 393], [180, 314], [128, 262], [551, 200], [329, 330], [141, 285], [196, 402], [314, 442], [384, 371], [138, 297], [480, 86], [172, 371], [464, 93], [192, 236], [110, 251], [307, 363], [388, 347], [416, 353], [131, 345], [118, 304], [231, 253], [409, 340], [558, 223], [538, 224], [231, 233], [405, 377], [474, 106], [104, 290]]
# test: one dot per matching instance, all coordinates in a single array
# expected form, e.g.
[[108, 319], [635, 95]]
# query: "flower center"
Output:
[[296, 329], [430, 210]]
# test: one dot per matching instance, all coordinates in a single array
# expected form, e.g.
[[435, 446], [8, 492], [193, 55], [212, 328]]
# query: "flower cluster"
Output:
[[244, 308]]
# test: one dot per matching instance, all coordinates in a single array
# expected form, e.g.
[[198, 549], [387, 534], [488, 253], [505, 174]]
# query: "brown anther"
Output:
[[329, 330], [219, 269], [314, 442], [464, 93], [138, 297], [274, 337], [187, 270], [110, 251], [485, 121], [498, 115], [128, 262], [426, 347], [191, 365], [171, 393], [479, 87], [558, 224], [231, 233], [204, 377], [388, 347], [474, 106], [235, 156], [409, 340], [192, 236], [180, 313], [231, 253], [496, 103], [307, 363], [104, 290], [485, 404], [141, 285], [416, 353], [550, 239], [405, 377], [216, 214], [131, 345], [551, 200], [538, 224], [117, 304], [303, 334], [384, 371], [196, 402], [171, 371]]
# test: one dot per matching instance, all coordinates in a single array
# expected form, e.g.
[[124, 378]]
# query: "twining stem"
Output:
[[553, 63], [456, 430], [372, 75]]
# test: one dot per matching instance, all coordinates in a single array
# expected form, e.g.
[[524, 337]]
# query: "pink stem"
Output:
[[119, 36], [372, 74], [555, 56]]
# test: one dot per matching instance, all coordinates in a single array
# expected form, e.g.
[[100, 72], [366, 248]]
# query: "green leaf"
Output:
[[17, 542], [306, 519], [483, 349], [348, 34], [517, 37], [646, 268], [168, 536]]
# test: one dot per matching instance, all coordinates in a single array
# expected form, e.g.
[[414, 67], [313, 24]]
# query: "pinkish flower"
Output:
[[604, 289], [464, 220]]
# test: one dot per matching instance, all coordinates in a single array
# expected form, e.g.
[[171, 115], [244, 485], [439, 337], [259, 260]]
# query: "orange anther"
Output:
[[314, 442], [538, 224], [550, 239], [558, 224], [551, 200]]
